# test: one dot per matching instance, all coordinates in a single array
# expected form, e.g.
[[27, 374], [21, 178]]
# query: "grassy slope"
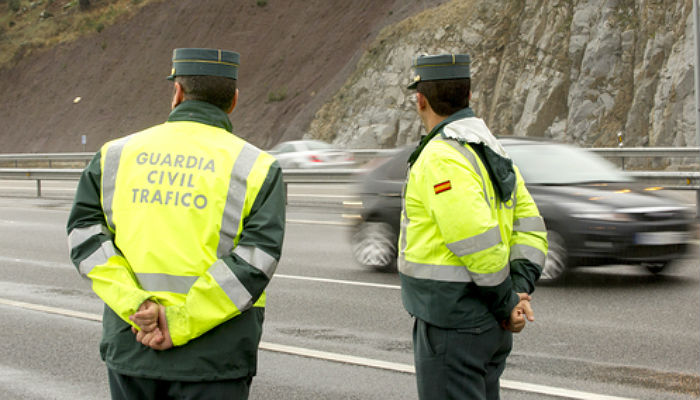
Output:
[[45, 23]]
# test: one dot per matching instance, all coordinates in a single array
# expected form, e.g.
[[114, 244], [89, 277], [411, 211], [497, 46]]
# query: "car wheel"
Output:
[[374, 245], [656, 267], [557, 261]]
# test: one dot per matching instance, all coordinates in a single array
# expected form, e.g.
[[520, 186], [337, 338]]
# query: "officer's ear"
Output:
[[233, 103], [421, 101], [178, 94]]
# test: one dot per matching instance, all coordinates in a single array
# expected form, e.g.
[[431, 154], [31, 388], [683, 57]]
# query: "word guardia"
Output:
[[179, 172]]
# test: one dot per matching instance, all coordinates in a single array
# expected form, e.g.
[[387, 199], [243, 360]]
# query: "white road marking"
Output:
[[321, 196], [51, 310], [313, 222], [35, 263], [343, 358], [340, 358], [338, 281]]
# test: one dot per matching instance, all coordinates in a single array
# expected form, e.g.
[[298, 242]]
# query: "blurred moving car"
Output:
[[595, 214], [310, 154]]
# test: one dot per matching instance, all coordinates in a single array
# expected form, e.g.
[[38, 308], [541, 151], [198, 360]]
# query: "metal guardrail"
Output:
[[50, 158], [646, 151], [671, 179], [624, 152], [338, 176], [39, 174]]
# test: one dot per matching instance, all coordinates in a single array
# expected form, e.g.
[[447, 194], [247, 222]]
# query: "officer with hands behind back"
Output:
[[179, 228], [472, 241]]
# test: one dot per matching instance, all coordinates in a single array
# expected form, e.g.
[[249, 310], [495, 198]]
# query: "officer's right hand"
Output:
[[525, 299], [519, 314]]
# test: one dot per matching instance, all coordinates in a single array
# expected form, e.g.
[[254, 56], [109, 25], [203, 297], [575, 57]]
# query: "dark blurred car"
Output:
[[310, 154], [594, 213]]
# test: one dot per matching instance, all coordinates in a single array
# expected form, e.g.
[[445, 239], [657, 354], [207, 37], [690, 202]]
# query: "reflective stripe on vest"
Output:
[[404, 220], [166, 283], [78, 236], [231, 285], [444, 273], [476, 243], [258, 259], [530, 253], [529, 224], [235, 199], [98, 257], [470, 157], [109, 177], [452, 273]]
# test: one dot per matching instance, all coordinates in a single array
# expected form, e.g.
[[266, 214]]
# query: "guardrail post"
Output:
[[38, 188]]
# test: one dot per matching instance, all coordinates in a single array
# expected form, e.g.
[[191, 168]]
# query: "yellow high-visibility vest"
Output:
[[449, 179], [175, 197]]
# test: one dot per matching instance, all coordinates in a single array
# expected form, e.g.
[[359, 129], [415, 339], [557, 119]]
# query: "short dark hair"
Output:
[[217, 90], [446, 96]]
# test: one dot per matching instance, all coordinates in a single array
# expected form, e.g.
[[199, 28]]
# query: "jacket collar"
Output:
[[200, 111], [473, 131]]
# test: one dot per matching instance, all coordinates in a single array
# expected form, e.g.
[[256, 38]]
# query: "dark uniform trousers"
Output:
[[124, 387], [460, 363]]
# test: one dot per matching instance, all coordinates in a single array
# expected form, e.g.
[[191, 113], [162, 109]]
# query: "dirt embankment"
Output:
[[294, 54]]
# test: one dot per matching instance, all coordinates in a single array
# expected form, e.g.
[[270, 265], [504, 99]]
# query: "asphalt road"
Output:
[[614, 331]]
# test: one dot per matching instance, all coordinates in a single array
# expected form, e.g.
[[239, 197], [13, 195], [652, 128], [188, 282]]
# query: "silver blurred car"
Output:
[[311, 154]]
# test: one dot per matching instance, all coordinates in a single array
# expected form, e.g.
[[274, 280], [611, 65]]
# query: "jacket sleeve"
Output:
[[528, 243], [468, 226], [92, 248], [236, 281]]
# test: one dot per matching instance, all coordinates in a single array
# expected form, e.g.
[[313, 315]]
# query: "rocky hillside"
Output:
[[575, 70], [295, 54]]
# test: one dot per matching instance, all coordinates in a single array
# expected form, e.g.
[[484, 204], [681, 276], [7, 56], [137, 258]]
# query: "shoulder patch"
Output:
[[441, 187]]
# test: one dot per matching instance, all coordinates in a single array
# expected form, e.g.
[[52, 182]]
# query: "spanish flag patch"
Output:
[[441, 187]]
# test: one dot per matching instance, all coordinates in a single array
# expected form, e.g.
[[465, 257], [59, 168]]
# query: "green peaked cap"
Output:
[[212, 62], [438, 67]]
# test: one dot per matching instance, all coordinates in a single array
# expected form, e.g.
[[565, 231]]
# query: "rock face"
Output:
[[578, 71]]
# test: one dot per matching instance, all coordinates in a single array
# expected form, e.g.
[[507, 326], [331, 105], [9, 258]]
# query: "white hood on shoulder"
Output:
[[474, 130]]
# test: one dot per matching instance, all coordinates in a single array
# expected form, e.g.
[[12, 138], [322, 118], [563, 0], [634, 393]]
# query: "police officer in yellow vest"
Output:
[[179, 228], [472, 241]]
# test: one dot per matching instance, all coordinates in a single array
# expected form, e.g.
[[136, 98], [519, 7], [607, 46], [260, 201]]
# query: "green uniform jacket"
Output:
[[216, 316], [471, 235]]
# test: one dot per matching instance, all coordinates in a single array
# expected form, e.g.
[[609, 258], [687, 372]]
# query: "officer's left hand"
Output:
[[146, 318]]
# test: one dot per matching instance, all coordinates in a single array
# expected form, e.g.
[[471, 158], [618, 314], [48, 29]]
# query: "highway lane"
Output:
[[617, 331]]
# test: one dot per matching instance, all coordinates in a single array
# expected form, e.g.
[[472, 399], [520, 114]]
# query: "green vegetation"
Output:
[[261, 3], [27, 25], [278, 95], [14, 5]]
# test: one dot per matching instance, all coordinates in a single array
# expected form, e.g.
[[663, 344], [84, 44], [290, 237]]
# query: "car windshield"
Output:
[[559, 164]]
